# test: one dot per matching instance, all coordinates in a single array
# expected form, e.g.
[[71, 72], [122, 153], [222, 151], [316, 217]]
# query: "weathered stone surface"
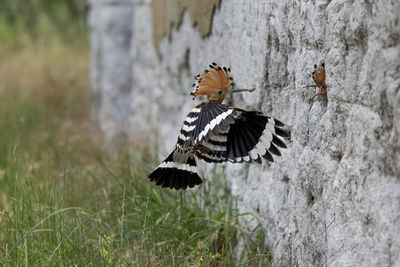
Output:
[[333, 198]]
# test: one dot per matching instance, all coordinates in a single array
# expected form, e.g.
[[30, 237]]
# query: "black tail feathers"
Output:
[[177, 171]]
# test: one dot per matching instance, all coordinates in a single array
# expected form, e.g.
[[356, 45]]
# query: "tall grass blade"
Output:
[[34, 228]]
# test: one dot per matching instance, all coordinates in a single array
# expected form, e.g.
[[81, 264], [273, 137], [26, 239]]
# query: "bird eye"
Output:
[[220, 92]]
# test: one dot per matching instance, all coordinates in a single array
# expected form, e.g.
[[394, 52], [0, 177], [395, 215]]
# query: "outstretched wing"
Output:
[[252, 136], [207, 119]]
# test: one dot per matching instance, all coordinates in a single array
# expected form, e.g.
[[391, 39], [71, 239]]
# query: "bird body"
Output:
[[215, 132], [318, 76]]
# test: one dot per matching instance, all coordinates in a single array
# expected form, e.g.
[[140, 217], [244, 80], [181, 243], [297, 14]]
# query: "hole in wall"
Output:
[[310, 198], [285, 178]]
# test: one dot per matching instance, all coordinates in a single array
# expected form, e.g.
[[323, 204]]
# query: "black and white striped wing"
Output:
[[214, 149], [206, 120], [252, 136]]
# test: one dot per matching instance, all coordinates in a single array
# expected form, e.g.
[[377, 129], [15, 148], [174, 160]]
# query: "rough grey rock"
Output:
[[333, 198]]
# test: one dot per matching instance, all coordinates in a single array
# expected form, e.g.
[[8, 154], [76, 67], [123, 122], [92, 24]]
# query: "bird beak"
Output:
[[241, 90]]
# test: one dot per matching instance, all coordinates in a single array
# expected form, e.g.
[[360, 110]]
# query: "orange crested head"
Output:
[[215, 83], [319, 78]]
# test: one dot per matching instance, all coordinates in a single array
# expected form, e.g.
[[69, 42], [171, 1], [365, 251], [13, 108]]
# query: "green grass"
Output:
[[65, 201], [24, 20]]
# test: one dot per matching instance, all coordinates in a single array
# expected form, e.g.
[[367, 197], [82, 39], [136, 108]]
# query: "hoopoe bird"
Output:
[[318, 76], [215, 132]]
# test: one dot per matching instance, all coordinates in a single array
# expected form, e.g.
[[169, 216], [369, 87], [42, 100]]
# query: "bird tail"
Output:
[[177, 171]]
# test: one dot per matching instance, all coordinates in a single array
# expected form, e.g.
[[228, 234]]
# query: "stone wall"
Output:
[[333, 198]]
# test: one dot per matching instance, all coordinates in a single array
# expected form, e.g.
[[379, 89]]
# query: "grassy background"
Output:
[[63, 199], [26, 20]]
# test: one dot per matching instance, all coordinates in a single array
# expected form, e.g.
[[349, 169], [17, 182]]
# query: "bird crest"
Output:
[[213, 83]]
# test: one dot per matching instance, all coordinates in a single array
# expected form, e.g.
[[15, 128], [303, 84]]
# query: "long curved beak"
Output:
[[241, 90]]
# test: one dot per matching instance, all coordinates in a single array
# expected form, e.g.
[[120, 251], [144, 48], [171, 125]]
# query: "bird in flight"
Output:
[[215, 132]]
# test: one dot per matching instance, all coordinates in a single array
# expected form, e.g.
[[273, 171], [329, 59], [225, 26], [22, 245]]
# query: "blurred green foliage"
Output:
[[21, 19]]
